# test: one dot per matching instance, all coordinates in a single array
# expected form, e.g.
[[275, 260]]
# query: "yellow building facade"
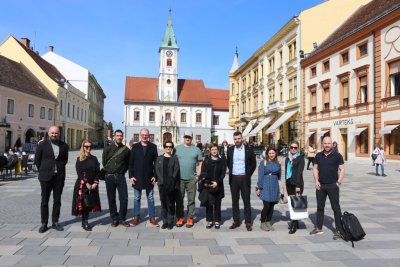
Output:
[[265, 91]]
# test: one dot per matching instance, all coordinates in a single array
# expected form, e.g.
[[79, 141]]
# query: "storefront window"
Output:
[[292, 131], [394, 142], [363, 142]]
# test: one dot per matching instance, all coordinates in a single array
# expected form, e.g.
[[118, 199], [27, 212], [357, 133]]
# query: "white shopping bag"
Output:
[[297, 214]]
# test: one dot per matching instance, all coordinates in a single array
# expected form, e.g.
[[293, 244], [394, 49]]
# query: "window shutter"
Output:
[[394, 67]]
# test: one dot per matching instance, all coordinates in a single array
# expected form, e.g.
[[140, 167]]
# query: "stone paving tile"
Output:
[[266, 257], [56, 241], [211, 259], [182, 235], [129, 260], [32, 241], [300, 256], [387, 253], [144, 250], [83, 250], [32, 260], [98, 235], [236, 259], [29, 234], [248, 249], [155, 235], [30, 250], [198, 242], [372, 263], [146, 242], [123, 235], [172, 243], [9, 249], [10, 241], [7, 233], [78, 234], [335, 255], [282, 248], [198, 250], [220, 250], [58, 250], [109, 242], [171, 260], [79, 242], [113, 251], [254, 241], [10, 260], [88, 260]]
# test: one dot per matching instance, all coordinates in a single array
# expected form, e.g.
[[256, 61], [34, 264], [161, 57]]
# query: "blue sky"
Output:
[[115, 39]]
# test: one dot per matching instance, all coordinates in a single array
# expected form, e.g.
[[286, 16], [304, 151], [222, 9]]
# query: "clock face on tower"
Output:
[[169, 53]]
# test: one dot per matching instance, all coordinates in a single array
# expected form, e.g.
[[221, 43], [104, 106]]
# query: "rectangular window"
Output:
[[68, 106], [394, 141], [326, 99], [151, 138], [344, 58], [85, 116], [135, 137], [73, 111], [233, 111], [255, 102], [292, 131], [198, 117], [168, 116], [31, 111], [50, 114], [42, 113], [292, 51], [271, 95], [326, 66], [271, 64], [363, 90], [394, 78], [363, 142], [61, 107], [295, 87], [290, 89], [198, 137], [136, 115], [215, 120], [77, 113], [82, 115], [233, 89], [280, 58], [10, 106], [169, 62], [183, 117], [363, 50], [152, 116], [313, 101], [313, 72], [345, 88]]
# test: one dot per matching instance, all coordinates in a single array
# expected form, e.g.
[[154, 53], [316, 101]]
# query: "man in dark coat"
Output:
[[50, 158], [141, 172], [241, 162]]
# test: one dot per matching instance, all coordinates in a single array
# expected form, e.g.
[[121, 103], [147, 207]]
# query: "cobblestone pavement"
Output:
[[375, 201]]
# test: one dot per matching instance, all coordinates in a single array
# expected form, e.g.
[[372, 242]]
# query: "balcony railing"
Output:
[[276, 105], [245, 115]]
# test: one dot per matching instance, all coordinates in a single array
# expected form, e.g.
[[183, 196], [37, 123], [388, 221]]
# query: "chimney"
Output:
[[51, 48], [26, 42]]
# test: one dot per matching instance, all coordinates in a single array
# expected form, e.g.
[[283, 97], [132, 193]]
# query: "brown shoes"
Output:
[[135, 221], [249, 227], [234, 225], [154, 222]]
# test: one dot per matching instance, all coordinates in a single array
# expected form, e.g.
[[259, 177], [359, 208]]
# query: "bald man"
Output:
[[50, 158]]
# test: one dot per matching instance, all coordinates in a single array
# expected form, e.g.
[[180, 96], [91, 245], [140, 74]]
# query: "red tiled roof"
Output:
[[48, 68], [144, 90], [360, 19], [14, 75], [219, 98]]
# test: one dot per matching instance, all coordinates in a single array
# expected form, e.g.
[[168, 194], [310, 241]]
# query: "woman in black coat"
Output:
[[167, 173], [86, 191], [294, 166], [213, 171]]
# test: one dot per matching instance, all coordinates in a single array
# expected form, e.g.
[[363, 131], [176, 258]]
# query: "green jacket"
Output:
[[118, 164]]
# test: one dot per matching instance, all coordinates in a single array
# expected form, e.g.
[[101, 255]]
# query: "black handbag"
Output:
[[299, 202], [374, 156], [89, 199]]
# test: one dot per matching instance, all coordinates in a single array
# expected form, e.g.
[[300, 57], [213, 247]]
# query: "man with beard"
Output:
[[50, 158]]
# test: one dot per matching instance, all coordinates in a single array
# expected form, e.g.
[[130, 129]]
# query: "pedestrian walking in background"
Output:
[[213, 172], [86, 198], [241, 162], [335, 147], [190, 159], [115, 163], [294, 167], [269, 174], [141, 172], [311, 150], [328, 176], [223, 150], [50, 158], [167, 173], [380, 159]]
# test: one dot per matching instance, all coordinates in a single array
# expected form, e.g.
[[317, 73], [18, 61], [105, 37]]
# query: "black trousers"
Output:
[[267, 211], [56, 185], [239, 187], [332, 191], [167, 205], [117, 183], [310, 160], [213, 212]]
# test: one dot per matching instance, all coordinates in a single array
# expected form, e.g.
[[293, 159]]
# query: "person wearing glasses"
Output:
[[51, 156], [269, 174], [190, 160], [167, 173], [294, 167], [141, 172], [87, 167]]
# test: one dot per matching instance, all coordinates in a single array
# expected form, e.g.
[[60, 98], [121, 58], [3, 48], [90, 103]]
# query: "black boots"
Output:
[[86, 226], [293, 227]]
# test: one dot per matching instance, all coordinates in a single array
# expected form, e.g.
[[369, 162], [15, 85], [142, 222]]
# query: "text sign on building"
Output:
[[343, 122]]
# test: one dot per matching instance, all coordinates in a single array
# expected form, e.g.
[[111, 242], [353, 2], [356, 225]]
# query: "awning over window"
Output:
[[261, 125], [388, 129], [281, 120], [358, 131], [248, 128], [309, 134], [321, 133]]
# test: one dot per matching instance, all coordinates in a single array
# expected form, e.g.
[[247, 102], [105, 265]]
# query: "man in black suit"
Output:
[[141, 172], [50, 158], [241, 162]]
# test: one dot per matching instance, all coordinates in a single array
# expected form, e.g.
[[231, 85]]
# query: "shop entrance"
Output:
[[343, 144]]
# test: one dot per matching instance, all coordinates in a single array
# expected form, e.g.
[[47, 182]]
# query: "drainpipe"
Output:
[[374, 87]]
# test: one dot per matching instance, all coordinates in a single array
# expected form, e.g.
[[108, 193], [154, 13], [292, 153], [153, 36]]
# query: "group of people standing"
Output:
[[182, 172]]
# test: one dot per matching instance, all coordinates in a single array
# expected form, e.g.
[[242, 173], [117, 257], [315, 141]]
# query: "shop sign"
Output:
[[343, 122]]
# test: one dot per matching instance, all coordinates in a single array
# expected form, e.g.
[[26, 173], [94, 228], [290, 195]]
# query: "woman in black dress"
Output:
[[167, 172], [86, 191]]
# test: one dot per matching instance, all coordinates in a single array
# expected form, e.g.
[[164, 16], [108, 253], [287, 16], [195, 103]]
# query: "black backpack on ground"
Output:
[[352, 229]]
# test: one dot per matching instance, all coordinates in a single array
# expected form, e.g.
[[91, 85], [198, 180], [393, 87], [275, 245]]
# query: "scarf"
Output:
[[291, 157]]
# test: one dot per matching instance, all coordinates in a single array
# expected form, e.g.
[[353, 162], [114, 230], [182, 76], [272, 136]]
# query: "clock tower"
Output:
[[168, 74]]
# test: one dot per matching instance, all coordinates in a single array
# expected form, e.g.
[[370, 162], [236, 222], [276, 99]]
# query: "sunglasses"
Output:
[[87, 146], [168, 147], [294, 147]]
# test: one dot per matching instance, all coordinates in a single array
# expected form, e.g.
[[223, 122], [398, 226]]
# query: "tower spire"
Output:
[[169, 40], [235, 64]]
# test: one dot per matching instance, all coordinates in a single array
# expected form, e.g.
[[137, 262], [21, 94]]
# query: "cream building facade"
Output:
[[265, 91], [352, 84], [73, 128]]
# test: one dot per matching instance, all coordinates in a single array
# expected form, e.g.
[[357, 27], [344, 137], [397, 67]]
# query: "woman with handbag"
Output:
[[213, 172], [379, 159], [294, 166], [269, 174], [86, 191], [167, 173]]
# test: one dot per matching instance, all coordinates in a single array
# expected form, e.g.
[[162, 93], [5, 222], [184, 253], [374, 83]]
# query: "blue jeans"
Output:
[[382, 168], [150, 202]]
